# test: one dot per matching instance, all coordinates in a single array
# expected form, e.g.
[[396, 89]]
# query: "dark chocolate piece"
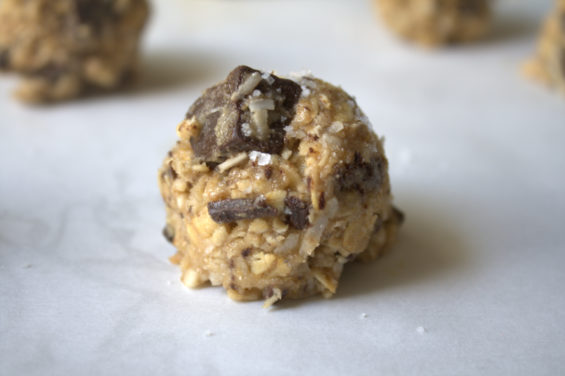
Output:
[[470, 7], [269, 291], [49, 72], [268, 172], [298, 211], [400, 217], [231, 210], [246, 252], [169, 233], [563, 59], [359, 175], [247, 111], [322, 201], [170, 172], [4, 59], [94, 13]]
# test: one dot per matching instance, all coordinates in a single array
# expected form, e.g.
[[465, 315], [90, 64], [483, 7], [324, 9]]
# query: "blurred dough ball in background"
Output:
[[436, 22], [66, 48], [548, 65]]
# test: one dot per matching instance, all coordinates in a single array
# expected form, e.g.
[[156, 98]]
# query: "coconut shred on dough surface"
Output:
[[273, 186]]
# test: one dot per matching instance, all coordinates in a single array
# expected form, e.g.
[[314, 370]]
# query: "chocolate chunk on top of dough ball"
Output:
[[246, 112]]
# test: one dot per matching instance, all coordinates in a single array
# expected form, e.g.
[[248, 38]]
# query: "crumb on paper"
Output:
[[364, 315], [421, 330], [209, 333]]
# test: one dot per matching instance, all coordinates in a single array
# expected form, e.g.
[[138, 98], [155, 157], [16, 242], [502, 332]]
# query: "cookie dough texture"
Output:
[[548, 65], [66, 48], [274, 185], [436, 22]]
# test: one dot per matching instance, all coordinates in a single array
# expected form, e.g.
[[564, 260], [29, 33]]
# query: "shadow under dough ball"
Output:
[[66, 48], [274, 185], [548, 65], [436, 22]]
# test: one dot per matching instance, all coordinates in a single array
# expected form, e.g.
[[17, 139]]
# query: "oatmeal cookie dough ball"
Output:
[[436, 22], [66, 48], [548, 66], [274, 186]]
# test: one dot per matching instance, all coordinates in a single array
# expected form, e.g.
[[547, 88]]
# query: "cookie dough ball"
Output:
[[548, 66], [275, 185], [436, 22], [66, 48]]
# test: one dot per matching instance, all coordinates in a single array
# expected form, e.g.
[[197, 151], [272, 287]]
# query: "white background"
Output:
[[477, 163]]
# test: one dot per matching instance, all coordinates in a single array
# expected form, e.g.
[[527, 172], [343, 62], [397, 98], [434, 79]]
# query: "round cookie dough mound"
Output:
[[436, 22], [274, 186], [65, 48], [548, 66]]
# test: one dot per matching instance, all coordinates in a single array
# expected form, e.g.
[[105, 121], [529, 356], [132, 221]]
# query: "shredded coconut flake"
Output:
[[277, 295], [261, 104], [298, 76], [233, 161], [336, 127], [246, 129], [286, 153], [267, 77], [260, 119], [289, 244], [247, 86], [262, 159]]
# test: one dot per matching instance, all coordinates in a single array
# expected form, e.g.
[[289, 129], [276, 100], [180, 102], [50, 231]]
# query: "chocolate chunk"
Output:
[[246, 252], [231, 210], [94, 13], [268, 172], [169, 233], [245, 112], [360, 175], [322, 201], [269, 291], [4, 59], [470, 7], [50, 72], [400, 217], [297, 212], [378, 225], [563, 60], [171, 173]]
